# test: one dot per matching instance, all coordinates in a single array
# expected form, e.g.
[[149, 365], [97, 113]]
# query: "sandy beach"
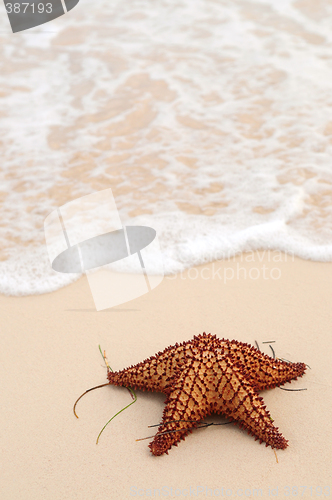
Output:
[[50, 355], [211, 123]]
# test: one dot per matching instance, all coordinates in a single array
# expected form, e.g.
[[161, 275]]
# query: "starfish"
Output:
[[207, 375]]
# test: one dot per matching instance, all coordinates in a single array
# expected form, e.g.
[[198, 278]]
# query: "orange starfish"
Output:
[[207, 375]]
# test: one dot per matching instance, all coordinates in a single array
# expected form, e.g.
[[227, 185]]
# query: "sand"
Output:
[[50, 355]]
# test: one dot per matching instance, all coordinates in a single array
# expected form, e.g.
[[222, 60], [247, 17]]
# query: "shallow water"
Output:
[[210, 120]]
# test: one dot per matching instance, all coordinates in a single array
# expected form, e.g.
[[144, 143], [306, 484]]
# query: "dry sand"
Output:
[[50, 355]]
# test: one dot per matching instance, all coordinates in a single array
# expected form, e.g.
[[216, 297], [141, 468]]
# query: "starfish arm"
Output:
[[238, 400], [186, 405], [264, 371], [154, 373]]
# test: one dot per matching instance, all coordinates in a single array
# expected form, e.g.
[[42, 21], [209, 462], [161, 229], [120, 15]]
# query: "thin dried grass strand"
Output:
[[203, 425], [276, 455], [131, 392], [292, 390], [84, 393]]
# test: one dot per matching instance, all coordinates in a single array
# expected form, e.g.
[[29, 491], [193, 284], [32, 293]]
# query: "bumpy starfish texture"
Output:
[[208, 375]]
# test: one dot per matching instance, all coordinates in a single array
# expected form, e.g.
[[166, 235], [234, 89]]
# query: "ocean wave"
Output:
[[210, 121]]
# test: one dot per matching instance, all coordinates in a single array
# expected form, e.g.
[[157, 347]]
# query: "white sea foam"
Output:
[[210, 120]]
